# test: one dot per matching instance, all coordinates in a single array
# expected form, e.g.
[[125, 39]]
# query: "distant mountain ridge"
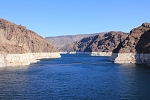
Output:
[[60, 41], [105, 42]]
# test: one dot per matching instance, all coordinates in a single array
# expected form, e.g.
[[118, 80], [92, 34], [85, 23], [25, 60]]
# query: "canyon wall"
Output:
[[99, 45], [135, 48], [60, 41], [18, 43]]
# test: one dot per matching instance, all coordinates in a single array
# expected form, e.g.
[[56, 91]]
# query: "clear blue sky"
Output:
[[66, 17]]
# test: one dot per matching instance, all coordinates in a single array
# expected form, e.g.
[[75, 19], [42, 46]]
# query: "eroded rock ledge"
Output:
[[24, 59]]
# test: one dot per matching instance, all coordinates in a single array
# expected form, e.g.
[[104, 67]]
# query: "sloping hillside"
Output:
[[17, 39], [105, 42], [60, 41]]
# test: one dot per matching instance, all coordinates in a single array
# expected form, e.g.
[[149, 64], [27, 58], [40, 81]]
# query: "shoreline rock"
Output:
[[135, 48], [101, 53], [90, 53], [20, 46], [130, 58], [75, 53], [25, 59]]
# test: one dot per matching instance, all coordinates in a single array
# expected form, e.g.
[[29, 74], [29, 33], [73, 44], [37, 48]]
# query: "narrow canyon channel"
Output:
[[75, 77]]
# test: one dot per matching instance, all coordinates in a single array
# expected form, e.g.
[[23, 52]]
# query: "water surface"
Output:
[[75, 77]]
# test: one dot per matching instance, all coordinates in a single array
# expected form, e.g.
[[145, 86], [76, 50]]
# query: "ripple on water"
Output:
[[75, 77]]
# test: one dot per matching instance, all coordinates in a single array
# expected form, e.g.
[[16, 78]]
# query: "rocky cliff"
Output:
[[60, 41], [137, 38], [17, 40], [78, 46], [135, 48], [106, 42]]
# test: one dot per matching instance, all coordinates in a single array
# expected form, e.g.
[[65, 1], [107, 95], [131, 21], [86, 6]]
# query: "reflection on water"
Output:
[[75, 77]]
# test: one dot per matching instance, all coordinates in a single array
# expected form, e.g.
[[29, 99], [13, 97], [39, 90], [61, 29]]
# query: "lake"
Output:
[[75, 77]]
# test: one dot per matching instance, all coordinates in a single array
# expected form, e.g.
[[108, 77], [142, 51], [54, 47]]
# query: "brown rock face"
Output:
[[17, 39], [106, 42], [78, 46], [100, 43], [60, 41], [138, 41]]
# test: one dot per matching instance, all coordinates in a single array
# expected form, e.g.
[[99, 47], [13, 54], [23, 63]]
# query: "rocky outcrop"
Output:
[[106, 42], [135, 48], [60, 41], [17, 40], [101, 44], [78, 46]]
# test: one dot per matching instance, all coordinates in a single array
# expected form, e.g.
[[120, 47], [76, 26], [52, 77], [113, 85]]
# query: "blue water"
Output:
[[75, 77]]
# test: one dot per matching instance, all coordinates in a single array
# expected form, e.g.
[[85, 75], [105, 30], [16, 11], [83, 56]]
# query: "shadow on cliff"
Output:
[[88, 48], [143, 45], [116, 51]]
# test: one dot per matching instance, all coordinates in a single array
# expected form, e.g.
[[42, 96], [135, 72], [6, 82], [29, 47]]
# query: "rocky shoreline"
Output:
[[20, 46], [90, 53], [101, 53], [135, 48], [130, 58], [75, 53], [122, 48], [24, 59]]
